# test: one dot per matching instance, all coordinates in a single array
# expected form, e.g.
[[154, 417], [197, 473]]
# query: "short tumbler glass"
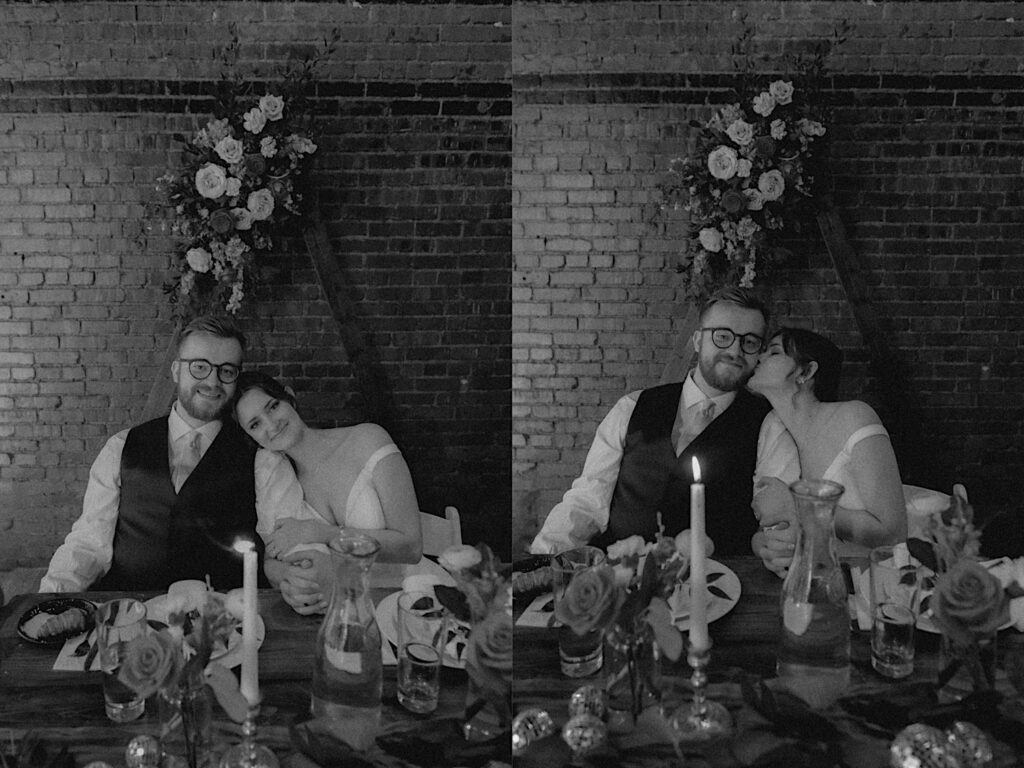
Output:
[[422, 636], [117, 623], [895, 596], [579, 655]]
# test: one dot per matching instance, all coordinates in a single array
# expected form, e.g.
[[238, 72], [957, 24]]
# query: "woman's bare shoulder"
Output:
[[854, 414], [365, 437]]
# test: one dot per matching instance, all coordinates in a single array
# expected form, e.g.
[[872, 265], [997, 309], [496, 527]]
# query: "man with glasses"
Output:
[[167, 499], [639, 468]]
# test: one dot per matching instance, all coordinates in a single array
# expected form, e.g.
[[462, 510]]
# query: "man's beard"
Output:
[[733, 381], [198, 407]]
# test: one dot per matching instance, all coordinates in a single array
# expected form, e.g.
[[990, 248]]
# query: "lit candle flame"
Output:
[[242, 545], [696, 469]]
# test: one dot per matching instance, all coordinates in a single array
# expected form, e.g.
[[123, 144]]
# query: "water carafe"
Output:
[[814, 650], [347, 662]]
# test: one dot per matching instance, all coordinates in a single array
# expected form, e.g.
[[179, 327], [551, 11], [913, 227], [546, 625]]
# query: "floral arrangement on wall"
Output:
[[240, 185]]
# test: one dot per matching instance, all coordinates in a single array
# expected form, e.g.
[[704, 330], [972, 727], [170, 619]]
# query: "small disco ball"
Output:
[[584, 734], [98, 764], [588, 700], [529, 726], [921, 746], [143, 752], [968, 744]]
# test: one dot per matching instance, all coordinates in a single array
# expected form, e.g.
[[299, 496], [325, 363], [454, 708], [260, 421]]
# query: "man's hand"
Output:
[[775, 511], [306, 583]]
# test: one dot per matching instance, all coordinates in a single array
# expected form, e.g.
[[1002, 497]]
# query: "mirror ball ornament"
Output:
[[529, 726], [588, 700], [98, 764], [584, 734], [921, 746], [143, 752], [968, 744]]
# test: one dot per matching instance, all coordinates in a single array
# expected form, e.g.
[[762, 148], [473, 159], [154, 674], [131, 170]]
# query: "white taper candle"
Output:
[[698, 570], [250, 678]]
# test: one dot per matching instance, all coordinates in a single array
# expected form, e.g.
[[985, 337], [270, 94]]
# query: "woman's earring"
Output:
[[799, 379]]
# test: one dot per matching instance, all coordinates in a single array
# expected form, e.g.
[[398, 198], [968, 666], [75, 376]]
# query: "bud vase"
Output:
[[185, 725], [967, 668], [487, 711], [629, 665]]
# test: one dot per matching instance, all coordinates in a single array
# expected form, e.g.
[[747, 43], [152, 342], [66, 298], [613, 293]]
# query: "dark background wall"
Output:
[[927, 151], [412, 177]]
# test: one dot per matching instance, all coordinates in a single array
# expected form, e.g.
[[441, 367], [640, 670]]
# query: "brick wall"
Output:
[[927, 153], [413, 182]]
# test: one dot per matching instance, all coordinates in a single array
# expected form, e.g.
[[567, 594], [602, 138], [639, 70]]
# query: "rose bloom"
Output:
[[235, 248], [243, 219], [632, 545], [261, 204], [755, 200], [771, 185], [222, 222], [199, 259], [489, 660], [234, 186], [741, 132], [152, 662], [272, 106], [764, 104], [590, 601], [811, 127], [743, 168], [268, 146], [711, 240], [722, 162], [781, 91], [764, 146], [968, 602], [459, 558], [733, 201], [254, 120], [211, 181], [778, 129], [230, 150], [255, 164], [747, 227]]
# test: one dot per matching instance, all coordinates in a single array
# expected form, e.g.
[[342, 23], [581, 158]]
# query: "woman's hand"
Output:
[[775, 547], [775, 511], [289, 532], [307, 582]]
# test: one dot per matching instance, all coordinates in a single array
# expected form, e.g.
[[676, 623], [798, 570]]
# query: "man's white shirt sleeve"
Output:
[[583, 510]]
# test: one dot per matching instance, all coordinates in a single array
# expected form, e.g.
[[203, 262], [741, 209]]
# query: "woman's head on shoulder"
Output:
[[800, 358], [265, 409]]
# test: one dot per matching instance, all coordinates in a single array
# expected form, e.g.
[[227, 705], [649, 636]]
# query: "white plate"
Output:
[[723, 594], [454, 651], [230, 657]]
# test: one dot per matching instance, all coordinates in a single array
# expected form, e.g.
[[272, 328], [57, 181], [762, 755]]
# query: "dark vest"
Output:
[[652, 479], [162, 537]]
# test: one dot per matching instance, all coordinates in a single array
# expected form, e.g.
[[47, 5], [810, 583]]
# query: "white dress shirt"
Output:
[[583, 511], [88, 550]]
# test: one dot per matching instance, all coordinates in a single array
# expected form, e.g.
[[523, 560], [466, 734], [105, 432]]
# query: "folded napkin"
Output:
[[539, 613], [76, 651]]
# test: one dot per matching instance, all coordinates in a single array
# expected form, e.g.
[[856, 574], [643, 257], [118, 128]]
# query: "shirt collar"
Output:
[[693, 394], [177, 426]]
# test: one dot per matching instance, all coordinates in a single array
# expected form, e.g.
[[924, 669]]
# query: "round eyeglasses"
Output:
[[723, 338], [200, 369]]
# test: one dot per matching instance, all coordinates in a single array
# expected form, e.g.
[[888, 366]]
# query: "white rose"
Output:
[[771, 184], [268, 146], [711, 240], [260, 204], [764, 104], [199, 259], [230, 150], [243, 218], [211, 181], [722, 162], [254, 120], [743, 168], [234, 186], [459, 557], [778, 129], [632, 545], [755, 200], [683, 543], [272, 106], [781, 91], [811, 127], [741, 132]]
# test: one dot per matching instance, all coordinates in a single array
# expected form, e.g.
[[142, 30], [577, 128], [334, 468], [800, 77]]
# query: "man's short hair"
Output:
[[741, 297], [214, 325]]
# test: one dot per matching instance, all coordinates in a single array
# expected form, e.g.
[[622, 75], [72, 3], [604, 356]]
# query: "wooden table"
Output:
[[744, 641], [67, 707]]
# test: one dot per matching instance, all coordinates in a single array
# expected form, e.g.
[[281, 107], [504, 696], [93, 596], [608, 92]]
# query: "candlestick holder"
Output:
[[700, 719], [249, 754]]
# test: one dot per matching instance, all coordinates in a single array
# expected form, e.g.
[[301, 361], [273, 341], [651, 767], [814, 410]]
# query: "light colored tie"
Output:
[[190, 456], [695, 420]]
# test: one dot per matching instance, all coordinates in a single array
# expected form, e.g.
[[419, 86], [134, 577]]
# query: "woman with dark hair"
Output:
[[351, 477], [842, 441]]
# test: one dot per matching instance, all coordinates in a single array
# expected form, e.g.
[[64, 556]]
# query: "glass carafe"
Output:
[[814, 649], [347, 661]]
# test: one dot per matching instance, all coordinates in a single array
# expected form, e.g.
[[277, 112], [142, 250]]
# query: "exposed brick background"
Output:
[[928, 155], [413, 179]]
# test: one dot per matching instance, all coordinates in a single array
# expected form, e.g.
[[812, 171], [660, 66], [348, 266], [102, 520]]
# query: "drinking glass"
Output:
[[117, 622], [895, 593], [422, 635], [578, 655]]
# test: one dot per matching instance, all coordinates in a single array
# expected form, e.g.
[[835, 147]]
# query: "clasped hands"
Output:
[[306, 582], [775, 542]]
